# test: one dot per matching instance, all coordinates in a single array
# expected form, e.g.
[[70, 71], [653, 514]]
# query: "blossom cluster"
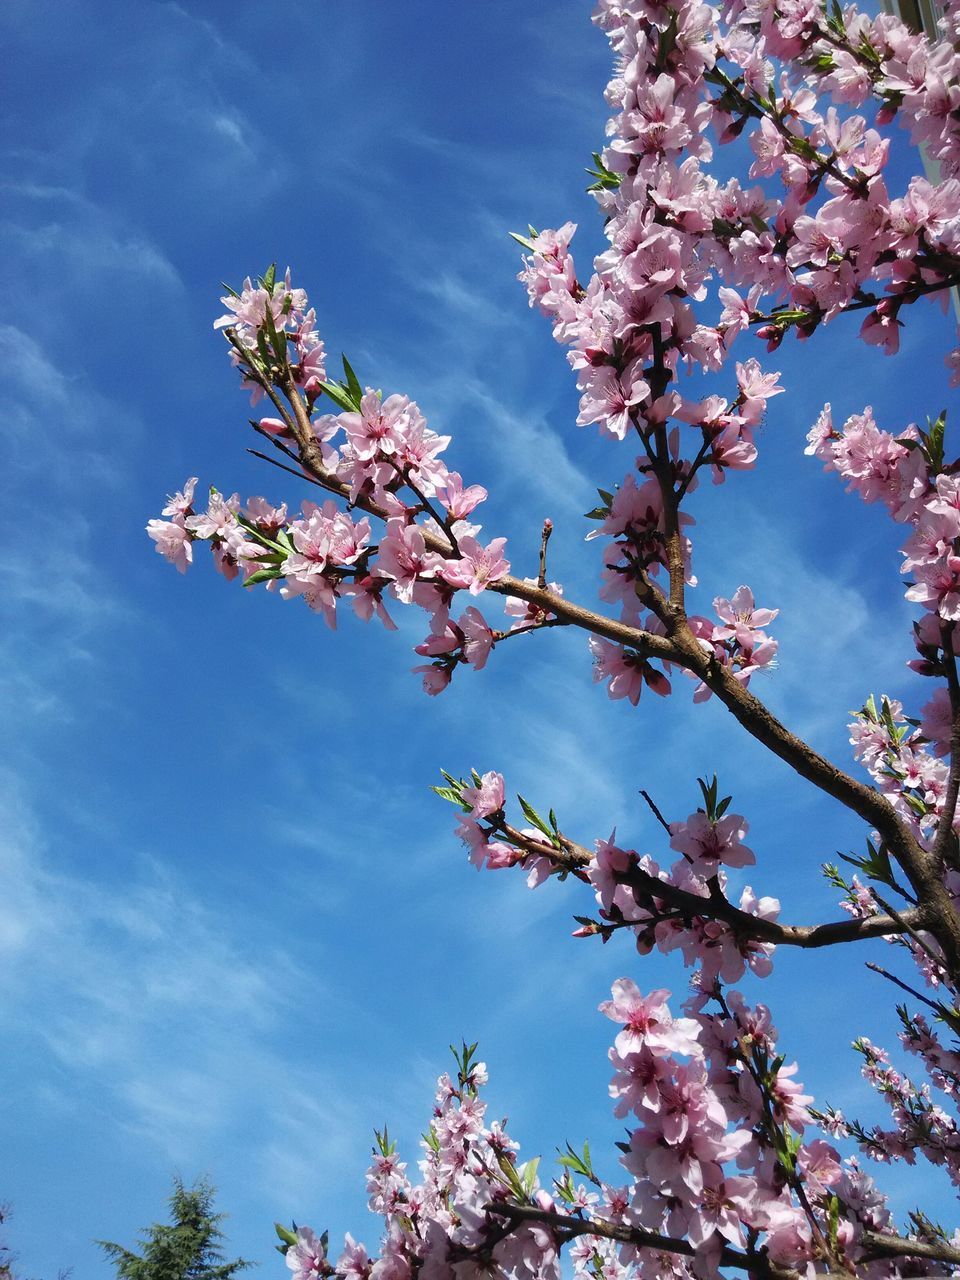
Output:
[[724, 1155], [737, 644], [898, 756], [711, 1092], [920, 1124], [274, 314], [671, 909], [906, 473], [379, 451], [721, 1153], [441, 1224]]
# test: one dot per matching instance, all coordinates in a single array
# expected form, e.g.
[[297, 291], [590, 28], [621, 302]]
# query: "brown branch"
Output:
[[945, 831], [291, 471], [756, 1264], [883, 1246], [938, 1009], [684, 649], [939, 914], [807, 936], [574, 858]]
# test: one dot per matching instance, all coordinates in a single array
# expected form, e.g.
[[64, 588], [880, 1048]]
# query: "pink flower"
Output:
[[459, 501], [707, 844], [882, 329], [937, 722], [608, 397], [477, 638], [756, 388], [179, 504], [173, 541], [403, 557], [648, 1023], [477, 566], [626, 671], [742, 618], [486, 797], [380, 426], [436, 677], [307, 1258], [353, 1263]]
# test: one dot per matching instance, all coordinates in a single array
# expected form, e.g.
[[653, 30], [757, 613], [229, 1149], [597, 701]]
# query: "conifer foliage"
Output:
[[186, 1248]]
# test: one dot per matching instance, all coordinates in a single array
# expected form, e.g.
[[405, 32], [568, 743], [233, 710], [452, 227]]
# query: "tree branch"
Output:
[[883, 1246], [685, 650], [756, 1264], [574, 859]]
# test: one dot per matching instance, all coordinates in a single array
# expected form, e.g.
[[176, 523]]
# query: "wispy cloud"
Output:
[[151, 1002]]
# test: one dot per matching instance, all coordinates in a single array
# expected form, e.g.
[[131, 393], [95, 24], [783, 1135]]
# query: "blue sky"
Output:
[[236, 932]]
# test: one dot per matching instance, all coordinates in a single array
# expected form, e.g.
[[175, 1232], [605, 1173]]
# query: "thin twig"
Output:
[[656, 812], [544, 539]]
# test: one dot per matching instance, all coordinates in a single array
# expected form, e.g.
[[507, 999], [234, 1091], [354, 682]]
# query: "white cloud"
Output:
[[89, 253], [156, 1004]]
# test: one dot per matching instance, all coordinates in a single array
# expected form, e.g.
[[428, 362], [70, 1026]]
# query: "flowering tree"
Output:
[[727, 1166]]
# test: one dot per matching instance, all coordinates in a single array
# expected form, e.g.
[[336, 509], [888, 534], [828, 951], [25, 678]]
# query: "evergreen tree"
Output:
[[6, 1257], [188, 1248]]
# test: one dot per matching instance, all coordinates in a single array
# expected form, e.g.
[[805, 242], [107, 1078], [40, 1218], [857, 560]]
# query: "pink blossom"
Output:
[[477, 566], [478, 639], [648, 1023], [180, 504], [436, 677], [173, 541], [403, 557], [486, 797], [459, 501], [307, 1258], [707, 844], [937, 722], [742, 618], [609, 396]]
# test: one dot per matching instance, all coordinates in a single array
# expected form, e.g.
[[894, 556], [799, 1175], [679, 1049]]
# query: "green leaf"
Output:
[[534, 818], [528, 1174], [262, 575], [269, 277], [511, 1175], [581, 1164], [934, 442], [285, 1235], [451, 795], [339, 396], [353, 382], [384, 1145], [431, 1140], [832, 872], [522, 241]]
